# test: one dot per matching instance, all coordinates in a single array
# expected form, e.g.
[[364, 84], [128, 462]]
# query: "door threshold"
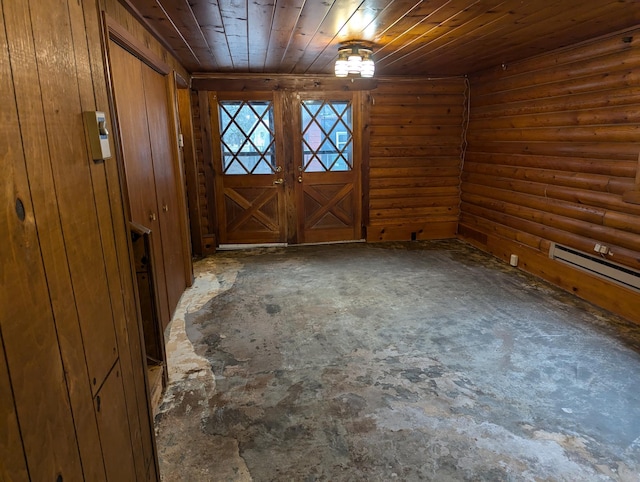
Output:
[[347, 241], [231, 247]]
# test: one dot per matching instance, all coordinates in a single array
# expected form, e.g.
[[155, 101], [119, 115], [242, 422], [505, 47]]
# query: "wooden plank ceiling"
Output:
[[409, 37]]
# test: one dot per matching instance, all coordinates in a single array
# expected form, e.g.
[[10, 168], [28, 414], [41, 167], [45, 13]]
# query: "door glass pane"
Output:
[[326, 136], [247, 137]]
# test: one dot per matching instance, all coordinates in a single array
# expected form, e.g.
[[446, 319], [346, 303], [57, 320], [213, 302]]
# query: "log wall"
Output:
[[414, 158], [553, 157], [412, 150]]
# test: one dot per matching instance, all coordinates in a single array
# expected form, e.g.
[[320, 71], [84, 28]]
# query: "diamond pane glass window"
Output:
[[247, 137], [327, 140]]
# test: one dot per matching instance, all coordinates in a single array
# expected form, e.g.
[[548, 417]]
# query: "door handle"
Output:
[[165, 208], [152, 216], [279, 181]]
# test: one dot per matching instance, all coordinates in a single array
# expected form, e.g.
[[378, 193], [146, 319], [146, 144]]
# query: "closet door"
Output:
[[166, 181], [128, 87]]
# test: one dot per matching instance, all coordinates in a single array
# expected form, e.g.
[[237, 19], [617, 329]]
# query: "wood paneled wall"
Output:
[[552, 152], [414, 158], [122, 16], [74, 403], [204, 173]]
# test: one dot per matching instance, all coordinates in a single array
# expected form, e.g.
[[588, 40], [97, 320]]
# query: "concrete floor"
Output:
[[397, 361]]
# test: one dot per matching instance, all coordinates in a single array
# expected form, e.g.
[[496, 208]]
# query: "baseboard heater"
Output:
[[597, 266]]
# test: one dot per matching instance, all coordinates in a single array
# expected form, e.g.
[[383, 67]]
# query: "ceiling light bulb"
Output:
[[354, 61], [368, 68], [341, 67]]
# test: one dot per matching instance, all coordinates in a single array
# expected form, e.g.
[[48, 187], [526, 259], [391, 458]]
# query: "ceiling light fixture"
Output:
[[354, 59]]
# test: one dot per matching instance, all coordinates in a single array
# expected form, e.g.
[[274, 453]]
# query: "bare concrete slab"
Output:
[[395, 361]]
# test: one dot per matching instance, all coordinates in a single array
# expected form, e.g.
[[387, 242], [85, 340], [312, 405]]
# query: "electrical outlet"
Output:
[[597, 248], [604, 249]]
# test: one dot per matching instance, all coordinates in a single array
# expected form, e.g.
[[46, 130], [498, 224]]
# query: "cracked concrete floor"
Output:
[[395, 361]]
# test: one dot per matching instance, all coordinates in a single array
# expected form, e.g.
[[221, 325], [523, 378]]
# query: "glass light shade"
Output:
[[354, 62], [342, 67], [367, 68]]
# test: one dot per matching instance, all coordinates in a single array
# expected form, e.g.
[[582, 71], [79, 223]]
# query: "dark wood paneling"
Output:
[[124, 17], [206, 171], [287, 108], [256, 83], [409, 37], [191, 173], [552, 152], [414, 159]]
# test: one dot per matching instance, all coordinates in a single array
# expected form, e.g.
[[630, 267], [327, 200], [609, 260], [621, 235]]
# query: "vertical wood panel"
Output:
[[72, 246], [128, 327], [111, 223], [552, 151], [190, 169], [180, 182], [28, 98], [207, 165], [365, 105], [116, 10], [287, 108], [13, 464], [27, 325], [111, 410], [415, 130], [128, 84], [166, 179], [74, 190]]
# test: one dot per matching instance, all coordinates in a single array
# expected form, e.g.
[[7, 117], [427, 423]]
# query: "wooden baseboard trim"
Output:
[[609, 296], [411, 232]]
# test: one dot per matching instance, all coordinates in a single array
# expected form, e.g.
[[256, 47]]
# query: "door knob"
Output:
[[279, 169], [165, 208], [152, 217], [299, 178], [279, 181]]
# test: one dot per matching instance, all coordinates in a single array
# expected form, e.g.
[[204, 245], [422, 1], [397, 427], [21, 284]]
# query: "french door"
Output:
[[287, 168], [249, 178], [327, 162]]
